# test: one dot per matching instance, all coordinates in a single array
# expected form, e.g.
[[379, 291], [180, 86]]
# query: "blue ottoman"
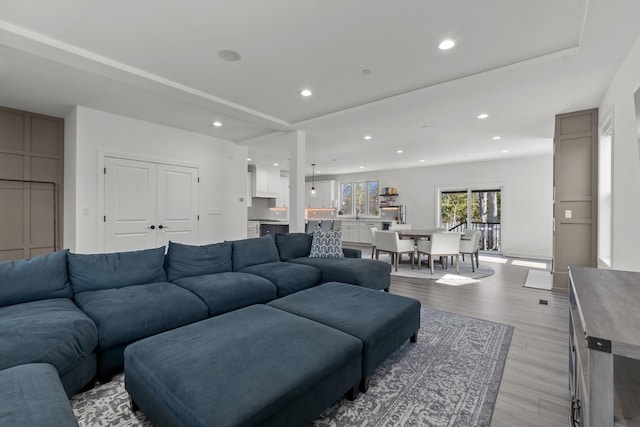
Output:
[[253, 366], [32, 396], [380, 320]]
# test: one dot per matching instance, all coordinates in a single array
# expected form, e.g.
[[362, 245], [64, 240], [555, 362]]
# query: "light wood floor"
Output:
[[535, 384]]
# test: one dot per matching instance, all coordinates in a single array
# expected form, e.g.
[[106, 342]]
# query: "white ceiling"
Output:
[[520, 61]]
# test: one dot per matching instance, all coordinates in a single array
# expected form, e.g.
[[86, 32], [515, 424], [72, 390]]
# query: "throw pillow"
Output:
[[327, 244]]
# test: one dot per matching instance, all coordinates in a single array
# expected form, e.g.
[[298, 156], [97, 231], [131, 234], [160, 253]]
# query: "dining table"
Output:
[[419, 233], [422, 233]]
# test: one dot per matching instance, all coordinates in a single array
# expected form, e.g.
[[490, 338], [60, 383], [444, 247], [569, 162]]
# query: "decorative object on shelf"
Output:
[[313, 179], [387, 197]]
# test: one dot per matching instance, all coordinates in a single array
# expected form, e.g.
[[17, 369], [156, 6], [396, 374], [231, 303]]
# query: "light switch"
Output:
[[215, 211], [85, 211], [567, 214]]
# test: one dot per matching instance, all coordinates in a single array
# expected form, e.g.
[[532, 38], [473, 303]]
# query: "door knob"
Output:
[[162, 226], [153, 227]]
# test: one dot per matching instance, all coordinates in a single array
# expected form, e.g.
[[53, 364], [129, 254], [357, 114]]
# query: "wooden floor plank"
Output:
[[534, 390]]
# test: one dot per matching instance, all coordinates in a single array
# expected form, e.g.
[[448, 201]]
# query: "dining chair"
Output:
[[469, 245], [312, 224], [468, 233], [442, 245], [373, 230], [389, 241]]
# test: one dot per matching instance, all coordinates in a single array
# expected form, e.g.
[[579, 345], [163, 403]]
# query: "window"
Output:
[[605, 199], [359, 198], [477, 209]]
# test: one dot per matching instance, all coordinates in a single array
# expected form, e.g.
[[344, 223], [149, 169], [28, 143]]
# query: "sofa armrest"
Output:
[[352, 253]]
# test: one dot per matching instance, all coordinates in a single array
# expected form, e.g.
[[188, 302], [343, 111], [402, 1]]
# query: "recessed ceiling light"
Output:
[[483, 116], [361, 167], [505, 151], [495, 138], [305, 92], [229, 55], [366, 71], [422, 160], [367, 137], [217, 124], [276, 164], [399, 151], [248, 159], [446, 44]]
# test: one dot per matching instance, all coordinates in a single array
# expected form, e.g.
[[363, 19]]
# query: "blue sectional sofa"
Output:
[[39, 321], [78, 312]]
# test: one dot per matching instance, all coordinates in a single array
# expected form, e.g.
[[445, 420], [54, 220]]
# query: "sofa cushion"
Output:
[[128, 314], [224, 292], [293, 245], [116, 270], [287, 277], [327, 244], [382, 321], [189, 261], [34, 279], [52, 331], [257, 366], [369, 273], [250, 252], [32, 395]]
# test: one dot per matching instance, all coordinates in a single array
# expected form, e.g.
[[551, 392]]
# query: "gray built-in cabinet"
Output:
[[575, 193], [31, 175]]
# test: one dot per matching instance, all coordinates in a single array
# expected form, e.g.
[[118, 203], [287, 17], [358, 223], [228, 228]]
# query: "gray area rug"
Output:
[[405, 270], [450, 377]]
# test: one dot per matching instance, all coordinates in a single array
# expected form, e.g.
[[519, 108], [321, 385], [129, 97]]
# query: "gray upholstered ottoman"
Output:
[[32, 396], [380, 320], [253, 366]]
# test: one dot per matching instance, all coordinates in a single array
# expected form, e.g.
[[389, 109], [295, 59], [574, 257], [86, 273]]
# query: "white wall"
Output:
[[618, 102], [90, 134], [527, 197]]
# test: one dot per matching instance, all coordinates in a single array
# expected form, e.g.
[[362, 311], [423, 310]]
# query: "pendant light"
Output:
[[313, 179]]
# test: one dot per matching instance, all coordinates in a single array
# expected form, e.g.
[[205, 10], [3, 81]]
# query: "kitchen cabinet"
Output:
[[365, 230], [358, 231], [325, 196], [249, 189], [350, 231], [283, 195], [273, 229], [266, 182]]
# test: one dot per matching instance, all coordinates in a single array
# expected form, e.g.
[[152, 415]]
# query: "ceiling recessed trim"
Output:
[[55, 50]]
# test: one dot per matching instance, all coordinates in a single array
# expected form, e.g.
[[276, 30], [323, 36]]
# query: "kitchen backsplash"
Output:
[[265, 209], [321, 213]]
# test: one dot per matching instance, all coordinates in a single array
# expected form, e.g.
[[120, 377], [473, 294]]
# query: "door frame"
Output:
[[100, 191], [502, 186]]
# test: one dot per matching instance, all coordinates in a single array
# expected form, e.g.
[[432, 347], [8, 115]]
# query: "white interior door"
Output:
[[177, 205], [147, 204], [130, 204]]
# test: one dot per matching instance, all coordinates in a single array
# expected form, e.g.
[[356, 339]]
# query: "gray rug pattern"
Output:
[[405, 270], [450, 377]]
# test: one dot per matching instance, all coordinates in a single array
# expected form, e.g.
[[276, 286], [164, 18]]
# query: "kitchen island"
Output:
[[273, 226]]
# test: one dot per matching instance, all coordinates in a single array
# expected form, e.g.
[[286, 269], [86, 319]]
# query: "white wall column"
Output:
[[297, 151]]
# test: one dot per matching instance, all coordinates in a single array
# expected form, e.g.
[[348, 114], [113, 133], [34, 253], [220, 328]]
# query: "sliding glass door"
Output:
[[476, 209]]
